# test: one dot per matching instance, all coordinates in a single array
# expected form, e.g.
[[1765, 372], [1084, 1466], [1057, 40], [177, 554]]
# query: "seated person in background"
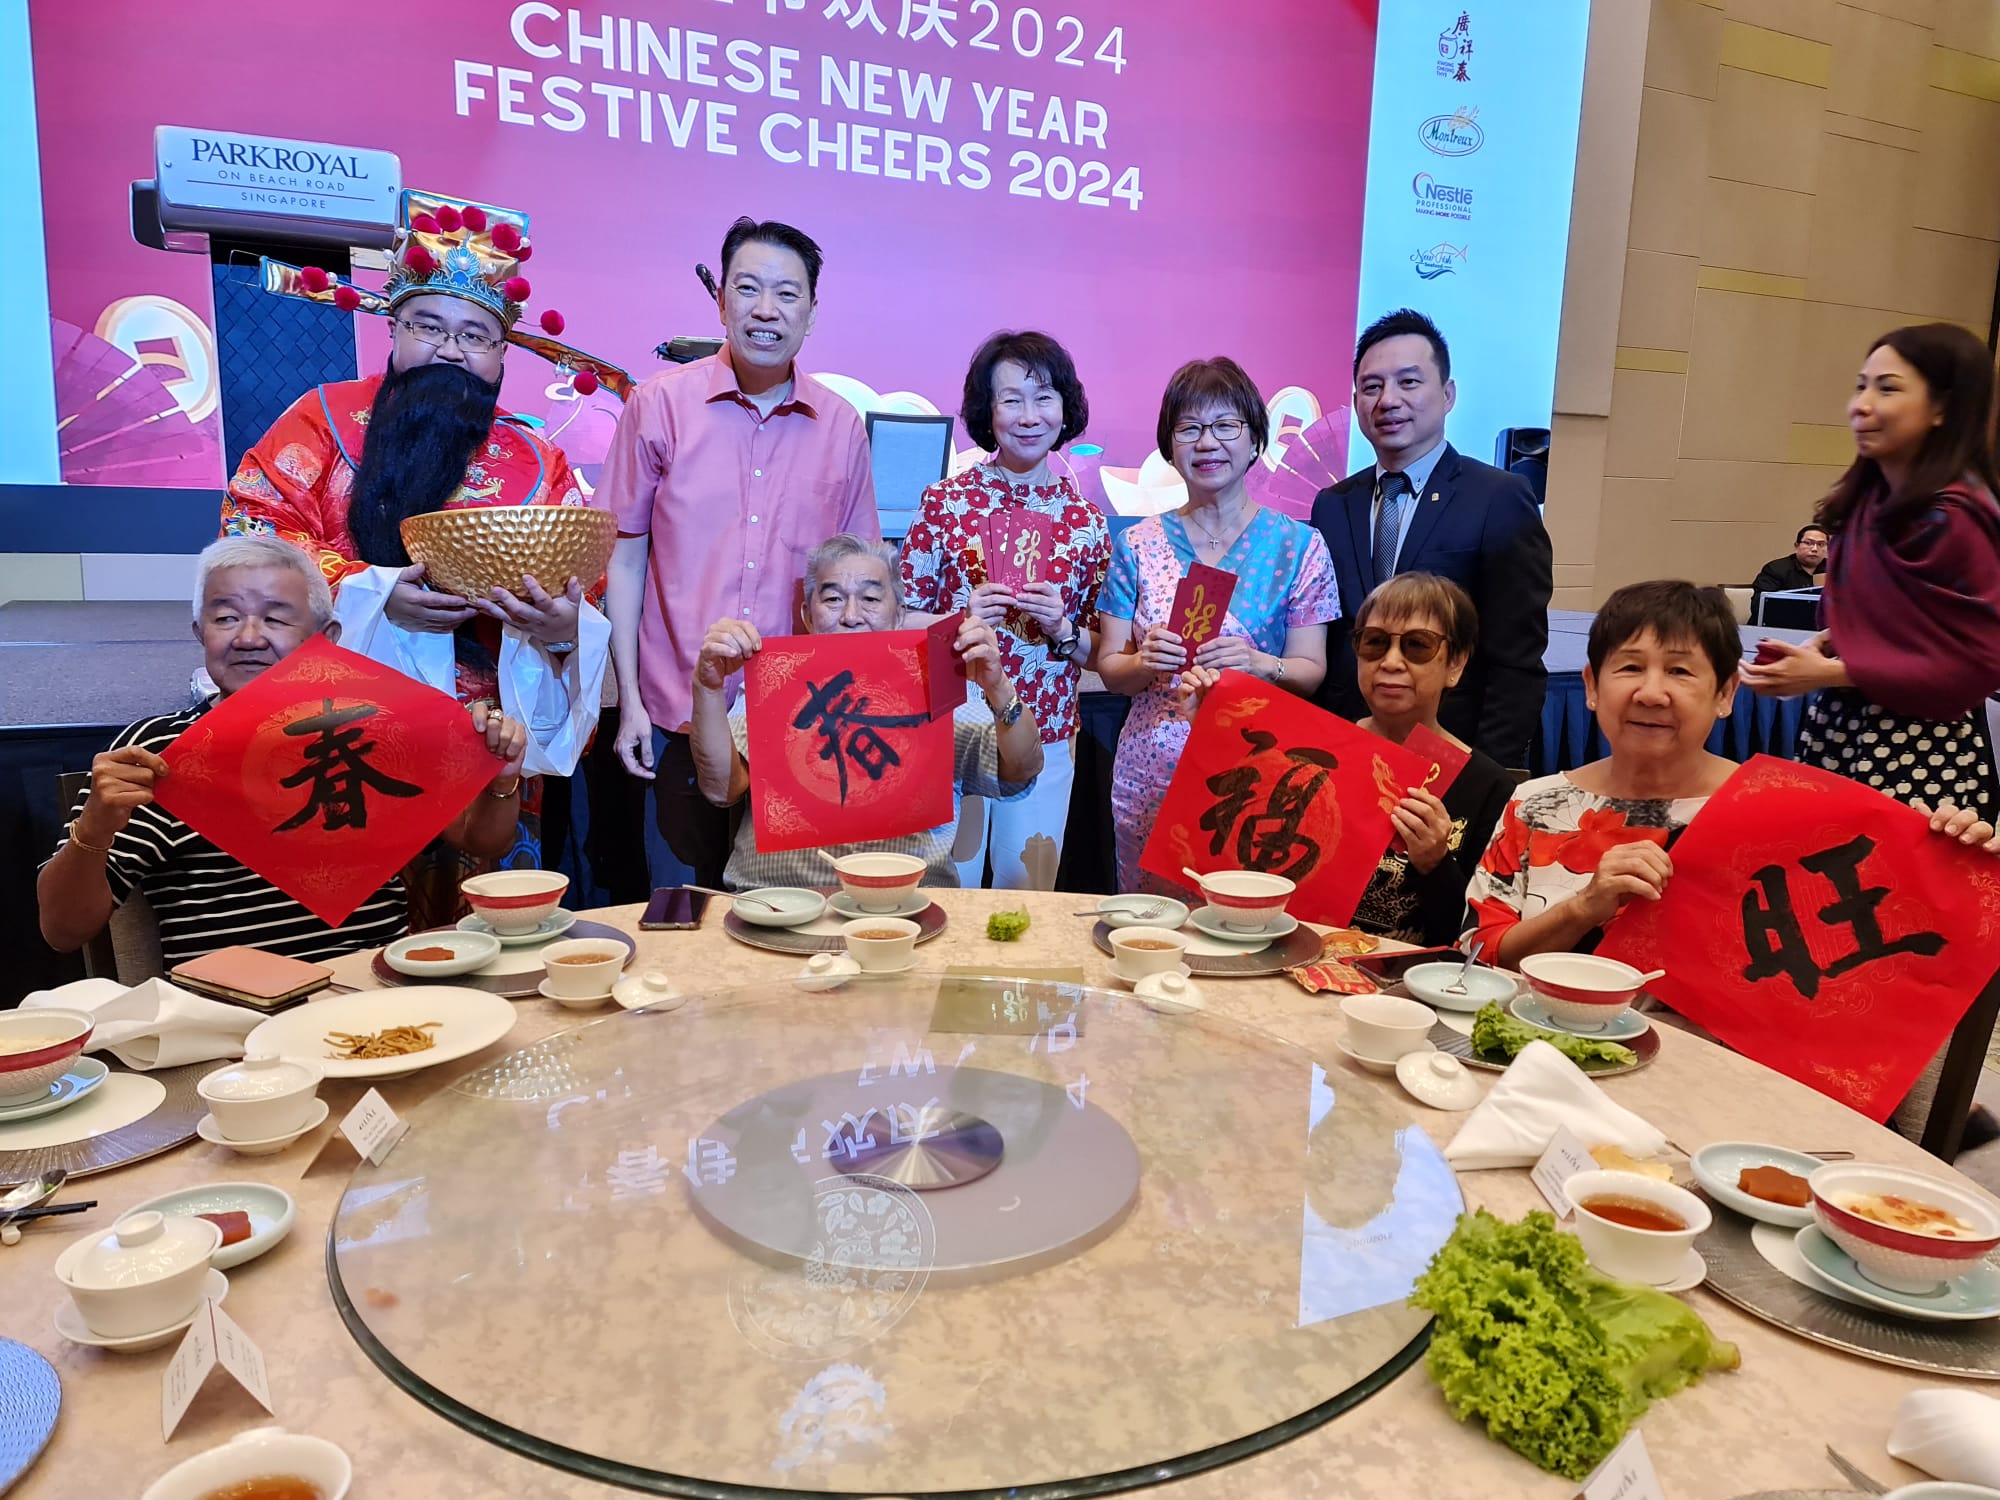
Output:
[[1573, 848], [1796, 571], [257, 600], [1412, 637], [850, 584]]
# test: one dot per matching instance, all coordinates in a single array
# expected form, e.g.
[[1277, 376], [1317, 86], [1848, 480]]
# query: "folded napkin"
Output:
[[155, 1024], [1949, 1435], [1541, 1090]]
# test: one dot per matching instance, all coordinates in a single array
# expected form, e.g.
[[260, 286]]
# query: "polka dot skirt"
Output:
[[1910, 759]]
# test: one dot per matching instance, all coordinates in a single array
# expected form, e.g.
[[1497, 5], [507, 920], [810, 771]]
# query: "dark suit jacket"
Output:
[[1478, 526], [1780, 574]]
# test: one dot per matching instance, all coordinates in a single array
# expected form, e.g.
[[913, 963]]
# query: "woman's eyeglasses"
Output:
[[1226, 430], [1419, 646], [471, 340]]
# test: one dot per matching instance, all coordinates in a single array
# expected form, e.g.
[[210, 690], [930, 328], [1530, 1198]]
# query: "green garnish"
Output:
[[1496, 1032], [1005, 926]]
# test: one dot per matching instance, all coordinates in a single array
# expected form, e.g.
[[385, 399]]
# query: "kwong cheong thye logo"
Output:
[[1455, 50], [1455, 134]]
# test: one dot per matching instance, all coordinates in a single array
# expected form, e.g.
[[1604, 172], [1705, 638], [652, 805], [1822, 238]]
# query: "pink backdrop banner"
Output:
[[1149, 183]]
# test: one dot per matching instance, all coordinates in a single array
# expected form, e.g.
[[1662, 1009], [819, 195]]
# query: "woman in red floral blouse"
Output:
[[1022, 402]]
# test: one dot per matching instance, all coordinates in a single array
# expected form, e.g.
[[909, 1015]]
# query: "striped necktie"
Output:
[[1389, 524]]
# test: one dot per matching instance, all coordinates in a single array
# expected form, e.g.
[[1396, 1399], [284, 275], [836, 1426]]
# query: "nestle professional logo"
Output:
[[1440, 200], [1455, 134], [1440, 260]]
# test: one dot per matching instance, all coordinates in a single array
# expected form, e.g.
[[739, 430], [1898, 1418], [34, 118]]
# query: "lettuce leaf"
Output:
[[1494, 1032]]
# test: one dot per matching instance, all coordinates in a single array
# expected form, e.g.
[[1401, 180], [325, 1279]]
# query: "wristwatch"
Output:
[[1064, 650], [1009, 716], [559, 648]]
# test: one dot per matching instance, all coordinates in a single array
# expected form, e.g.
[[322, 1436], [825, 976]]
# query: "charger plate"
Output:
[[169, 1123]]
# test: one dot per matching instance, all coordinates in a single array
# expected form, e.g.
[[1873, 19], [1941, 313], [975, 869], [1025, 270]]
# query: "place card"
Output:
[[212, 1339], [1565, 1157], [373, 1128], [1627, 1474]]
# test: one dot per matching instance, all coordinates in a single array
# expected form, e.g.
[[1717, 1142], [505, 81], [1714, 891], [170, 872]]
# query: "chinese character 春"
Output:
[[856, 14], [933, 14], [1776, 944], [832, 710], [1269, 840], [337, 770], [708, 1162]]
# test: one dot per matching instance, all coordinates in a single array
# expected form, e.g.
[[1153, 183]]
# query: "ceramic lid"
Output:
[[259, 1078], [1438, 1079], [1171, 990], [141, 1248]]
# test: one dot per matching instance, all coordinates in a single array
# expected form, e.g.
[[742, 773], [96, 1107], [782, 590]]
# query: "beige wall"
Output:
[[1808, 174]]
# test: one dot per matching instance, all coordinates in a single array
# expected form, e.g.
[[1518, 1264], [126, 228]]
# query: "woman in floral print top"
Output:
[[1022, 401]]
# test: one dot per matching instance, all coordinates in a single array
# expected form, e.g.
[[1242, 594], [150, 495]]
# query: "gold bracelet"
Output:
[[88, 848], [506, 796]]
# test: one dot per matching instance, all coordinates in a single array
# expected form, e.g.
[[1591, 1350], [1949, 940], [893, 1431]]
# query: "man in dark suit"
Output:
[[1798, 571], [1425, 507]]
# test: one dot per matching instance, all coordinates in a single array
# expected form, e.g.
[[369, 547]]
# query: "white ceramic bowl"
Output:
[[468, 949], [261, 1097], [796, 906], [264, 1452], [879, 882], [1483, 986], [875, 954], [1247, 900], [1903, 1260], [41, 1044], [146, 1273], [1581, 989], [1131, 961], [1653, 1256], [516, 901], [583, 981], [1382, 1028], [1942, 1489]]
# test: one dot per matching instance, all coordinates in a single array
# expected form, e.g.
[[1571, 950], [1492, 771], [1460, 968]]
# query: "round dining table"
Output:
[[435, 1314]]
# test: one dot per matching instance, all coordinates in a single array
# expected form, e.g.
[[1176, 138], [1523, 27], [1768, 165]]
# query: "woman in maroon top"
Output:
[[1022, 401], [1911, 645]]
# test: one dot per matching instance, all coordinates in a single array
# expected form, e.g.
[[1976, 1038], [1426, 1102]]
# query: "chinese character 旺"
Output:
[[1776, 944], [834, 709], [708, 1162], [933, 14], [856, 14], [337, 770]]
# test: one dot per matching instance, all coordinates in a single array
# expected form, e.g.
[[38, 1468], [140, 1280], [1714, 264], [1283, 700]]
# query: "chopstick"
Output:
[[50, 1210]]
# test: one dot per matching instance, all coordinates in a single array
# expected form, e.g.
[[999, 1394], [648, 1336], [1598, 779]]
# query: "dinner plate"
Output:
[[553, 926], [1964, 1299], [122, 1099], [470, 1021], [1208, 920], [1208, 959], [1716, 1167], [84, 1075], [1629, 1025], [271, 1212], [1385, 1067], [70, 1324], [851, 909]]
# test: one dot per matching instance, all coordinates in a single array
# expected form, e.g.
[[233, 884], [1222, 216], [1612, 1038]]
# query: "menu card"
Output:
[[212, 1339], [1626, 1474], [1567, 1155], [373, 1128]]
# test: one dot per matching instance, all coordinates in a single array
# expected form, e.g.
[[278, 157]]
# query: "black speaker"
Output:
[[1525, 451]]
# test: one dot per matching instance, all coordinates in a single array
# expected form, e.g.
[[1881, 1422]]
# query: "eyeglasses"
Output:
[[471, 340], [1226, 430], [1419, 646]]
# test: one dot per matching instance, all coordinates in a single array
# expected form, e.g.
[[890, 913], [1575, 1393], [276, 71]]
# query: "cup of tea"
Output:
[[1139, 951], [1635, 1228], [582, 968], [881, 944]]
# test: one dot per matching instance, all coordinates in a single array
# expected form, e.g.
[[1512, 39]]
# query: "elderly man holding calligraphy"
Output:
[[850, 585]]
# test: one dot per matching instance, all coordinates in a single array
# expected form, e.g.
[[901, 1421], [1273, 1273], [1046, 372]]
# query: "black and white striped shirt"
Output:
[[205, 900]]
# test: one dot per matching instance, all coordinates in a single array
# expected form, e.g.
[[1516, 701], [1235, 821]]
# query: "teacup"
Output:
[[261, 1098], [1139, 951], [1382, 1028], [1625, 1251], [583, 968], [880, 943]]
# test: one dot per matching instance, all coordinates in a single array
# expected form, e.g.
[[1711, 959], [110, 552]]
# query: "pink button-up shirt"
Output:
[[733, 502]]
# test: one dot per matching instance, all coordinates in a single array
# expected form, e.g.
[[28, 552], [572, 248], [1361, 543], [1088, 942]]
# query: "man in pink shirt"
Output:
[[723, 474]]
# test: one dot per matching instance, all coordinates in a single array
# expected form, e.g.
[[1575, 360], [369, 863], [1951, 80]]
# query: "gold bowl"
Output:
[[472, 551]]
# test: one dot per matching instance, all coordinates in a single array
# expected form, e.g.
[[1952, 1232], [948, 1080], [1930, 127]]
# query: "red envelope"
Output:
[[945, 676], [1268, 782], [843, 748], [1446, 757], [1819, 927], [1019, 544], [326, 775], [1201, 604]]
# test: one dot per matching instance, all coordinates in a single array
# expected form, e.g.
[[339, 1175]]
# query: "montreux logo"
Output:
[[278, 158], [1455, 134]]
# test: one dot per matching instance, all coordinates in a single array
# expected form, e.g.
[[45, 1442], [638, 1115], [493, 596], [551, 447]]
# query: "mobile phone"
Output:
[[1387, 968], [674, 908]]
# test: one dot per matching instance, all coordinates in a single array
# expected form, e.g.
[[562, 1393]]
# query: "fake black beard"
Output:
[[422, 432]]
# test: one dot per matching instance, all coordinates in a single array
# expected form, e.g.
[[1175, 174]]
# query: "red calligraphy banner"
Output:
[[1817, 926], [1268, 782], [326, 775], [843, 748]]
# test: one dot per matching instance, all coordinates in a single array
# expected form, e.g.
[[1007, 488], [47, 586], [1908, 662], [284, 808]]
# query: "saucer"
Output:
[[271, 1212], [848, 907], [553, 925], [206, 1128], [70, 1324], [572, 1002], [1134, 980], [1963, 1299], [902, 968], [1385, 1066], [1630, 1024], [85, 1074], [1122, 911], [1207, 919], [1692, 1273]]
